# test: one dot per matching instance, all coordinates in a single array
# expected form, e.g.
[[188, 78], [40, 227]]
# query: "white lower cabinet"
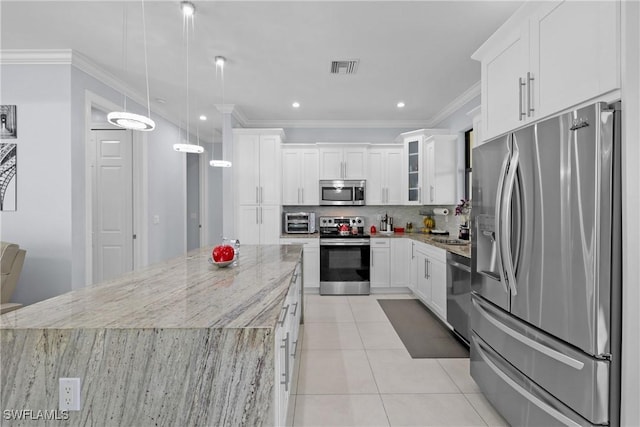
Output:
[[287, 351], [380, 274], [311, 263], [400, 258], [431, 277]]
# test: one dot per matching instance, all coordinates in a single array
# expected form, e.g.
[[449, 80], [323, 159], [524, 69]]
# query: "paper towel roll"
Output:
[[440, 211]]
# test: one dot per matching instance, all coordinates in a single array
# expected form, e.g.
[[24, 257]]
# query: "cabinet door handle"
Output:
[[412, 246], [529, 94], [425, 268], [285, 374], [295, 308], [261, 215], [428, 272], [261, 194], [257, 200], [257, 222], [431, 192], [521, 113], [295, 349], [285, 310]]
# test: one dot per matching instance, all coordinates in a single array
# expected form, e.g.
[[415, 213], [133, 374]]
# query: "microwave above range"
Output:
[[342, 192], [299, 222]]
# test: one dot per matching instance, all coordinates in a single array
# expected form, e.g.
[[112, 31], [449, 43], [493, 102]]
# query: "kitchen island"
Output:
[[181, 343]]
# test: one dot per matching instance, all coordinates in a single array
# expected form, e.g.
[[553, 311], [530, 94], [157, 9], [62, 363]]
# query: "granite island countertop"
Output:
[[181, 342], [183, 292]]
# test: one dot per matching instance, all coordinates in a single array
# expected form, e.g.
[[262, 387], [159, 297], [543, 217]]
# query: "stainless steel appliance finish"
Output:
[[342, 192], [459, 294], [546, 274], [299, 222], [344, 259]]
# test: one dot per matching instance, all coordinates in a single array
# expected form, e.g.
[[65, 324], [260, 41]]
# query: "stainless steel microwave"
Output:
[[342, 193]]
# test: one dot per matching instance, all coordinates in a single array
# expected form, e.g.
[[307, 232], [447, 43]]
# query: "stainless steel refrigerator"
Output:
[[546, 270]]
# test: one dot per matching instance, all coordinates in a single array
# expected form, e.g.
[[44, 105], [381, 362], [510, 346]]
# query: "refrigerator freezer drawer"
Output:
[[578, 380], [519, 400]]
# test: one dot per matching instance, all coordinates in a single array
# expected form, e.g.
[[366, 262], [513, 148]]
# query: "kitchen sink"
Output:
[[449, 241]]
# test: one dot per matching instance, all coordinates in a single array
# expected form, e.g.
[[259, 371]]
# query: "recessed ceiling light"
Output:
[[188, 9], [400, 104], [203, 117], [296, 105], [220, 61]]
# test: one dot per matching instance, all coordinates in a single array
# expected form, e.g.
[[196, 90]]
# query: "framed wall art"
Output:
[[8, 122], [8, 168]]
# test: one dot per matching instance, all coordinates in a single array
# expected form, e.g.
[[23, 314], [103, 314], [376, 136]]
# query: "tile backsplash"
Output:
[[401, 215]]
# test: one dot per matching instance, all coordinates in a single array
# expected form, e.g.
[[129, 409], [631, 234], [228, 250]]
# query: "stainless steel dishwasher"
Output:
[[459, 294]]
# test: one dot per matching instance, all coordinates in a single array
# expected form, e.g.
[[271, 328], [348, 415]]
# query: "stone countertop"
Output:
[[183, 292], [315, 235], [463, 250]]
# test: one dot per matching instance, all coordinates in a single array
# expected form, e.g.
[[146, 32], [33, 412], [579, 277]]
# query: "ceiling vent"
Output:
[[347, 66]]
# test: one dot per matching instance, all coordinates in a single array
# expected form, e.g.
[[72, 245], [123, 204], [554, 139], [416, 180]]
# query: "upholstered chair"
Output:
[[11, 260]]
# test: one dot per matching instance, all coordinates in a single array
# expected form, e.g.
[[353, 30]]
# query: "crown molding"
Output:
[[335, 123], [82, 63], [455, 105]]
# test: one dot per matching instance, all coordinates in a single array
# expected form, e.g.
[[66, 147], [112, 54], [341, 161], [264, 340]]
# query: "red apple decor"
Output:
[[223, 255]]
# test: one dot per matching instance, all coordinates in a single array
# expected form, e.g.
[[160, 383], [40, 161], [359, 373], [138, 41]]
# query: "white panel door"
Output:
[[310, 175], [429, 173], [400, 256], [331, 163], [113, 204], [248, 224], [375, 178], [438, 276], [379, 266], [290, 177], [355, 159], [269, 166], [270, 224], [587, 29], [503, 97], [311, 271], [246, 158], [394, 177]]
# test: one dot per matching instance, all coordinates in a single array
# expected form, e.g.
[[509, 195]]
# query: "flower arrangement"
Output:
[[463, 208]]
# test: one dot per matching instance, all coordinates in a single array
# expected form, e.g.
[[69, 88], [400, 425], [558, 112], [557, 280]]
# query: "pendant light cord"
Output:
[[146, 65], [124, 53]]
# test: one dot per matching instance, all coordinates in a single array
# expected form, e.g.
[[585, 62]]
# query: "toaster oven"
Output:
[[299, 222]]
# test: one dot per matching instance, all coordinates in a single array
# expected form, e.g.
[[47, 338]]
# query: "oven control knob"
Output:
[[359, 221]]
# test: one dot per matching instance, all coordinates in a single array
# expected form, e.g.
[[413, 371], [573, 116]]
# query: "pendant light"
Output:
[[188, 10], [125, 119], [220, 61]]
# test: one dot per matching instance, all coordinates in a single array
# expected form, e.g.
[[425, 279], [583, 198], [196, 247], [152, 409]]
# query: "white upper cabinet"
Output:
[[257, 183], [384, 177], [300, 175], [256, 160], [549, 56], [430, 169], [442, 172], [343, 161]]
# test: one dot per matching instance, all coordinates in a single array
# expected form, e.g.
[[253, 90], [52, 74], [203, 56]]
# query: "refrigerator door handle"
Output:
[[505, 231], [554, 354], [564, 420], [498, 214]]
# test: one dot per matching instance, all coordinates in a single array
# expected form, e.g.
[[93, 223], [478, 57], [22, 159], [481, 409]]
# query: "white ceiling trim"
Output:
[[81, 62], [335, 123], [455, 105]]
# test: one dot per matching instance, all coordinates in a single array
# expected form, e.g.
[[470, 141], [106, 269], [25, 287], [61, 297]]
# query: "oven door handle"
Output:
[[349, 242]]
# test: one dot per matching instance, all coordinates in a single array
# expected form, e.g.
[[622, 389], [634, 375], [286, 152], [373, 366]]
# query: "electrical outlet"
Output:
[[69, 394]]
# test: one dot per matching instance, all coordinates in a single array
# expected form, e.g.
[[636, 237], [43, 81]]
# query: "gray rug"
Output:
[[422, 333]]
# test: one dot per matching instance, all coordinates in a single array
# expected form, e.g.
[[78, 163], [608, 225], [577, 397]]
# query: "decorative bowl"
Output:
[[221, 264]]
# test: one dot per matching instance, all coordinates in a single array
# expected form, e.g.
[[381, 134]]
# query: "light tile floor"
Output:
[[355, 371]]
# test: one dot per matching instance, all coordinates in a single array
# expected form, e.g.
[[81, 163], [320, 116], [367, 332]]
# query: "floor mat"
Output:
[[421, 332]]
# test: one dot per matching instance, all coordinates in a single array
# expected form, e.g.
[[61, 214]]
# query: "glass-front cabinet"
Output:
[[414, 170]]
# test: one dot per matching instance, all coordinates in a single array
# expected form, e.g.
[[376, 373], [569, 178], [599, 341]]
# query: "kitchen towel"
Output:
[[421, 332]]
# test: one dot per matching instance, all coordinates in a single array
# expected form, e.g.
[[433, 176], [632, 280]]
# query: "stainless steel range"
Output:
[[344, 256]]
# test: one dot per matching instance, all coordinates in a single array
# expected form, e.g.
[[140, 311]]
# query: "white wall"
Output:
[[42, 222], [50, 220]]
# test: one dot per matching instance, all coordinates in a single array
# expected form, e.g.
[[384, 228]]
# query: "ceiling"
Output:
[[417, 52]]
